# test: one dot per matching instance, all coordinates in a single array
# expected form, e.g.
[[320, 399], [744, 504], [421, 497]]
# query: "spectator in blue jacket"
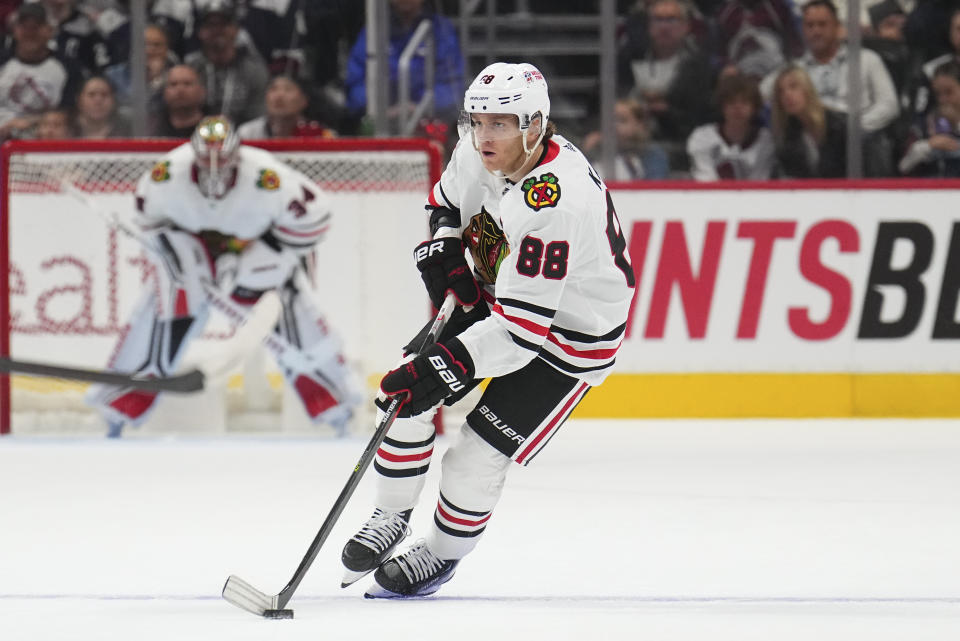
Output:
[[405, 15]]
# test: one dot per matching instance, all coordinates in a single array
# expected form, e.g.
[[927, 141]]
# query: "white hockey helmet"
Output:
[[505, 88], [216, 148]]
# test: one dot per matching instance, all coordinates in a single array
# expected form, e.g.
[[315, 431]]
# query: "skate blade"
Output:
[[376, 591], [350, 577]]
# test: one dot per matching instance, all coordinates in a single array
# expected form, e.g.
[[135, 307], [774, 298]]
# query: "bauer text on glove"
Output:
[[430, 377]]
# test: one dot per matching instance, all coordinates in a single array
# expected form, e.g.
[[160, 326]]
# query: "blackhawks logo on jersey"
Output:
[[487, 244], [268, 180], [160, 172], [541, 192]]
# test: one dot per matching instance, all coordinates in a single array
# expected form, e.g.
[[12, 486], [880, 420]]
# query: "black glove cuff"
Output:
[[443, 217]]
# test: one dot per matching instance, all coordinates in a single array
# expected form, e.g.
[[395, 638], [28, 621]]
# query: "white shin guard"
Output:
[[473, 474], [403, 460]]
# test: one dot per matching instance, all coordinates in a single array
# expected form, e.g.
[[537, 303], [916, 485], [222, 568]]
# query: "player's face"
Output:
[[499, 141]]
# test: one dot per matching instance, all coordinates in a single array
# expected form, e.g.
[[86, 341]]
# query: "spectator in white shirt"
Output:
[[286, 106], [33, 78], [738, 147]]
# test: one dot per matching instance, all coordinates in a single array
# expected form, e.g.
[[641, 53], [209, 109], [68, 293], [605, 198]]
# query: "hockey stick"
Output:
[[245, 596], [191, 381]]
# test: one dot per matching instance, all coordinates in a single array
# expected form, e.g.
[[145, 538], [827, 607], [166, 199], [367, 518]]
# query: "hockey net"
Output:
[[72, 278]]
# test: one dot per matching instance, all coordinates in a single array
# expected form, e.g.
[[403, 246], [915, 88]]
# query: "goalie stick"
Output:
[[245, 596], [250, 328], [191, 381]]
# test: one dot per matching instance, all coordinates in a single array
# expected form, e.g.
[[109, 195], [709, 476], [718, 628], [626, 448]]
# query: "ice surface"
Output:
[[681, 530]]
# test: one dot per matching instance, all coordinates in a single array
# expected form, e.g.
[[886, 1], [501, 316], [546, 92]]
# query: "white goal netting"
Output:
[[72, 278]]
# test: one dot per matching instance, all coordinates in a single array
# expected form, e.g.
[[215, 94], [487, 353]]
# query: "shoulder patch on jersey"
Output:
[[268, 180], [541, 192], [160, 172]]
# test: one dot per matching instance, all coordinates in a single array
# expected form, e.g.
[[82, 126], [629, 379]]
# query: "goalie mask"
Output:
[[503, 88], [216, 148]]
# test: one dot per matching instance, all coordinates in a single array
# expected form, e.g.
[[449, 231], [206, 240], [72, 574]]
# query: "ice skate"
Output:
[[415, 573], [375, 541], [115, 429], [339, 418]]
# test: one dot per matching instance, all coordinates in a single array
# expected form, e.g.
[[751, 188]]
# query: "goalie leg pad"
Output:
[[183, 265], [328, 387], [149, 346], [473, 473]]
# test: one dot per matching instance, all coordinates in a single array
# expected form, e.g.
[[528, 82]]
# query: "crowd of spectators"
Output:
[[777, 73], [274, 67], [707, 89]]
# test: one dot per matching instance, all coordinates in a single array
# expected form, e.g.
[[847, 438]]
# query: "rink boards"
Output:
[[838, 300], [828, 299]]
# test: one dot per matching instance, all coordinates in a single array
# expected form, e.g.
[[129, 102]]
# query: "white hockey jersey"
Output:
[[267, 195], [552, 253]]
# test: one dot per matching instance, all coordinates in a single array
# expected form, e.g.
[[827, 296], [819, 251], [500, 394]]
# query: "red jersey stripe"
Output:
[[599, 354], [530, 326], [553, 150], [433, 199]]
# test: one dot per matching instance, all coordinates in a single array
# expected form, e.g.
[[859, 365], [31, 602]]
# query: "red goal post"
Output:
[[70, 278]]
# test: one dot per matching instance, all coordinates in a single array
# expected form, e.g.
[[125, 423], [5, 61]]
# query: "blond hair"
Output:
[[813, 118]]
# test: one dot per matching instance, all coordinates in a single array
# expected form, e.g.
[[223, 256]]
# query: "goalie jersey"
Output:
[[550, 251], [266, 198]]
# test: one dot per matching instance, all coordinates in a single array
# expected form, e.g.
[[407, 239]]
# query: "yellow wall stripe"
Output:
[[720, 395], [773, 395]]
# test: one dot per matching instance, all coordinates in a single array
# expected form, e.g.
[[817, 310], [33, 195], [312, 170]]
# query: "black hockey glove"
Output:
[[443, 267], [430, 377]]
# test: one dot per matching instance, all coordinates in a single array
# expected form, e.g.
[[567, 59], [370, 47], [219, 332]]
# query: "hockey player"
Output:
[[550, 290], [217, 211]]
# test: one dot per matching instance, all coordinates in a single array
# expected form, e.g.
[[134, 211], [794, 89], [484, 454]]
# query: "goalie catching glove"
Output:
[[443, 268], [430, 377]]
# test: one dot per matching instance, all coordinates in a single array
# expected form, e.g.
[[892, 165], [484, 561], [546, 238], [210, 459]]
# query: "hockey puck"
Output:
[[278, 614]]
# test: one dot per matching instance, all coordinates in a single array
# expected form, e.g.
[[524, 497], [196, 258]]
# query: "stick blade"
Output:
[[246, 597], [258, 324]]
